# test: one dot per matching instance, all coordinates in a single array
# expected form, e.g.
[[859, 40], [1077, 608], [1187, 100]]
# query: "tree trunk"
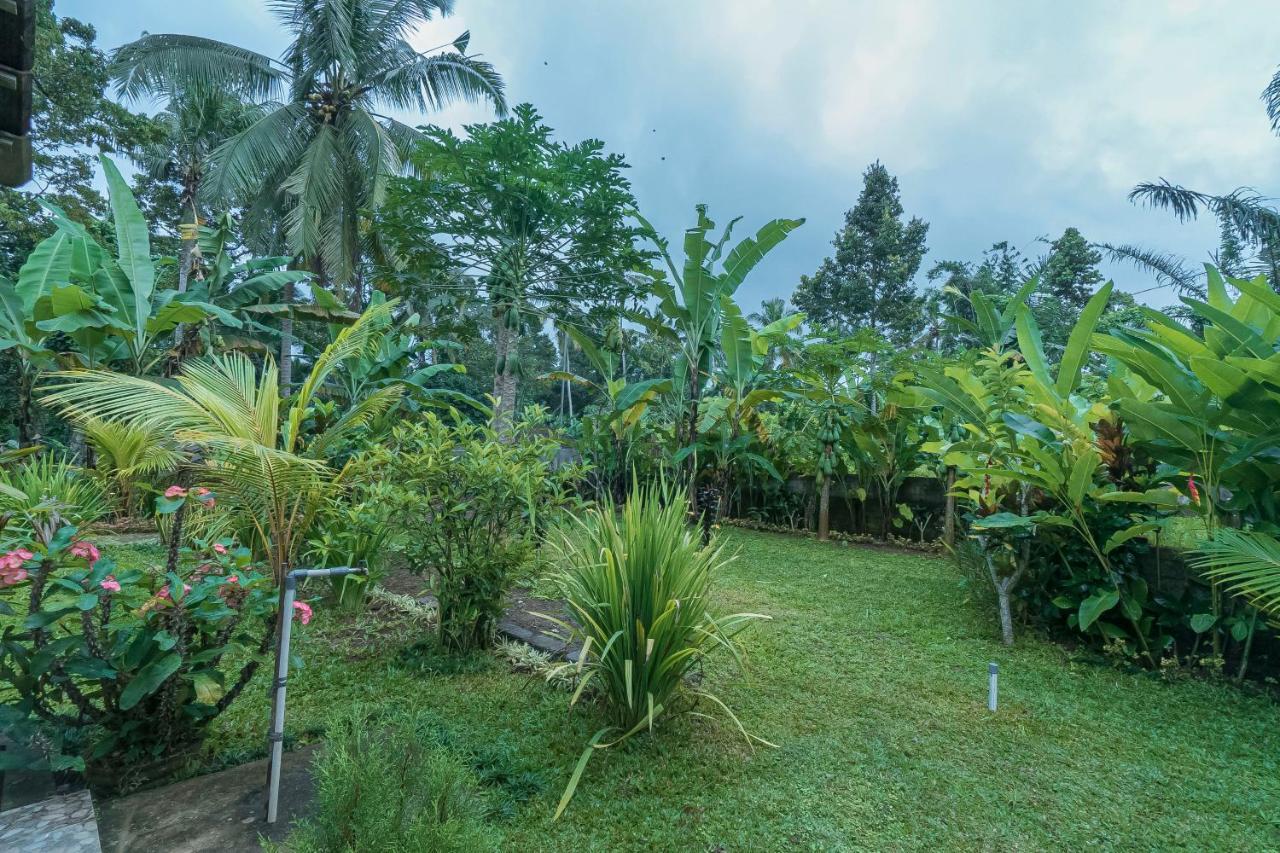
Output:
[[824, 510], [26, 379], [188, 229], [505, 381], [286, 343], [949, 520], [1006, 612]]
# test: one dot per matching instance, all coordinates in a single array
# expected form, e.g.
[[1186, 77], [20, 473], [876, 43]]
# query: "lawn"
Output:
[[871, 678]]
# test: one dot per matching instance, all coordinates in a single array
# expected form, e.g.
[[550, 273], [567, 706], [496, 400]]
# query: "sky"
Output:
[[1002, 119]]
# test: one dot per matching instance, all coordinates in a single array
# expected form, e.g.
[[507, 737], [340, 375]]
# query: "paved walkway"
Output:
[[57, 825]]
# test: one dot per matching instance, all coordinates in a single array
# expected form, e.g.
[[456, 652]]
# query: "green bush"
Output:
[[464, 504], [384, 785], [638, 584]]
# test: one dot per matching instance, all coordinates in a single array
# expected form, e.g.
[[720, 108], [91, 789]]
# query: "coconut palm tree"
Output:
[[195, 123], [321, 153]]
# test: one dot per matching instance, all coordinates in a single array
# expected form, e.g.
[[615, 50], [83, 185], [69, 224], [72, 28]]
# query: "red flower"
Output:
[[175, 492], [1195, 493]]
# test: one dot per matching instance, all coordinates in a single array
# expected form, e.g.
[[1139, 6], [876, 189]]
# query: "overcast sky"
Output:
[[1003, 120]]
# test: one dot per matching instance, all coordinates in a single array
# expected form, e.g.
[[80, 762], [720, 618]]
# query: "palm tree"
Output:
[[195, 123], [253, 450], [321, 153], [1248, 220]]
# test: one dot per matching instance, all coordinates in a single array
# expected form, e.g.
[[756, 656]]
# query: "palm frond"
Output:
[[1252, 215], [315, 190], [161, 61], [361, 338], [410, 80], [247, 161], [1168, 269], [1271, 98], [1248, 563]]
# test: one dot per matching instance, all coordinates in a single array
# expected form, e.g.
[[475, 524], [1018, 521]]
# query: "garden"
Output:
[[421, 452]]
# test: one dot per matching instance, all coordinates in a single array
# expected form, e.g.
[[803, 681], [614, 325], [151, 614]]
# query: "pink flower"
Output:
[[9, 577], [175, 492], [86, 550], [219, 548], [233, 579], [1191, 487], [14, 559], [164, 590], [110, 584], [201, 492], [304, 611]]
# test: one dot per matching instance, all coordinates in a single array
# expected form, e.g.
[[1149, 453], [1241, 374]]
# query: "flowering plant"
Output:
[[120, 667]]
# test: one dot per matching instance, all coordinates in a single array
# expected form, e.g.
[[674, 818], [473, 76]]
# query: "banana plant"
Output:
[[240, 289], [611, 434], [626, 401], [691, 307], [730, 429], [19, 333], [108, 304]]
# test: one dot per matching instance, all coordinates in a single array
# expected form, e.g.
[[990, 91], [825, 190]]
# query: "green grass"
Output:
[[872, 679]]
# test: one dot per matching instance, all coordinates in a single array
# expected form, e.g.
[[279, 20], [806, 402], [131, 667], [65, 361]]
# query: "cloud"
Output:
[[1003, 120]]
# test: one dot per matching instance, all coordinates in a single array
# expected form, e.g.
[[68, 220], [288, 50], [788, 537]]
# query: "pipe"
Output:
[[275, 737]]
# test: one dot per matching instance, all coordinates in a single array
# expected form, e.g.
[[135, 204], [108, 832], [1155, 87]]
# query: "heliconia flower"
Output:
[[1191, 487], [219, 548], [304, 611], [110, 584], [86, 550], [175, 492]]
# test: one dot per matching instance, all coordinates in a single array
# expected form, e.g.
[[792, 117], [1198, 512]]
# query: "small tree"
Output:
[[465, 502]]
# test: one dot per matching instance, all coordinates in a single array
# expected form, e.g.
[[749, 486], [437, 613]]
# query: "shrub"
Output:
[[117, 670], [384, 785], [464, 504], [34, 490], [351, 529], [638, 585]]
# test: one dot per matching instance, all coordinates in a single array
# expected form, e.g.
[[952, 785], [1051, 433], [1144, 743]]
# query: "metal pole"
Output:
[[275, 737], [993, 674]]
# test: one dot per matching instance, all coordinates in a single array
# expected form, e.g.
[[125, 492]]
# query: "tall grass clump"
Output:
[[386, 784], [637, 583]]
